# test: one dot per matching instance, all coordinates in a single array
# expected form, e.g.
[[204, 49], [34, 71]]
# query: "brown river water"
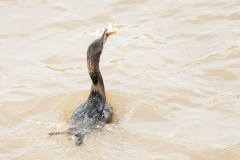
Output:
[[172, 75]]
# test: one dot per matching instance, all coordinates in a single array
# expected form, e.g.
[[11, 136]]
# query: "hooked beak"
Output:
[[104, 36]]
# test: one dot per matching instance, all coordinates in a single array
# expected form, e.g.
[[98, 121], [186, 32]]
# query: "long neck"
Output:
[[95, 74]]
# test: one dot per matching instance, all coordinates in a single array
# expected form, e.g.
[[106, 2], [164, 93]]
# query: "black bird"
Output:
[[95, 112]]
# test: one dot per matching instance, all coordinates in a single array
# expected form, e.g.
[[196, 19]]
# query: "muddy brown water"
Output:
[[171, 74]]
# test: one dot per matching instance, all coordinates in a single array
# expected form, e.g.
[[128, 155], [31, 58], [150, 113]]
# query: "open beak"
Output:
[[104, 36]]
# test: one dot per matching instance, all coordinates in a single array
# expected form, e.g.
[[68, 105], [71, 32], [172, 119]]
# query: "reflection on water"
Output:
[[171, 74]]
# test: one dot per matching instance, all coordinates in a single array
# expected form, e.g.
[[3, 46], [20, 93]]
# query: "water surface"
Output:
[[171, 75]]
